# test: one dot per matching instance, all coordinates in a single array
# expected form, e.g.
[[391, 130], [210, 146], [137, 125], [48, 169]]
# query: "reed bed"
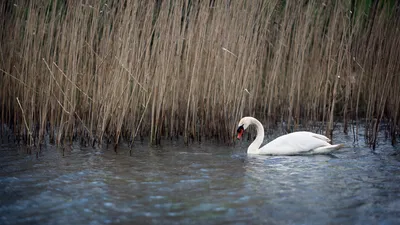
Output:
[[123, 70]]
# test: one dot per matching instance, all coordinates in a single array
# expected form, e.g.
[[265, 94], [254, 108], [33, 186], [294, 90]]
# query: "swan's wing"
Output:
[[326, 149], [295, 143], [319, 136]]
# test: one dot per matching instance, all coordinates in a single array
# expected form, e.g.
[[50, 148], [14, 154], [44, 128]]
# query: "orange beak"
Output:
[[240, 132]]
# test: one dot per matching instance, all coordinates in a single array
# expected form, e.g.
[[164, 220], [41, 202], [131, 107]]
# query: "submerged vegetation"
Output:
[[126, 69]]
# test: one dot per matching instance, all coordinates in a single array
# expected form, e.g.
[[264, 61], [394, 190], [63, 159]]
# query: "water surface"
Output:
[[203, 183]]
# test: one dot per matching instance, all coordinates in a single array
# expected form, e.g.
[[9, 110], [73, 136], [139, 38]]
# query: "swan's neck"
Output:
[[254, 148]]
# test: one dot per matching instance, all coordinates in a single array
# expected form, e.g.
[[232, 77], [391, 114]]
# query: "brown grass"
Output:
[[105, 69]]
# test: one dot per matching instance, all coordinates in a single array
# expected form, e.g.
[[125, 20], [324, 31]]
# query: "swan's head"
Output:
[[243, 124]]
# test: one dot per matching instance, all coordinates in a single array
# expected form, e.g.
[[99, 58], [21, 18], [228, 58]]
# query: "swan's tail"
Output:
[[327, 149]]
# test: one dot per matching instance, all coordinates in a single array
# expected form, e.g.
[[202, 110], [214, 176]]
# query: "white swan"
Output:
[[301, 142]]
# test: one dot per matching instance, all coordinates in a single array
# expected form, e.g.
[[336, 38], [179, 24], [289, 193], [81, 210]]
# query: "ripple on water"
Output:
[[95, 186]]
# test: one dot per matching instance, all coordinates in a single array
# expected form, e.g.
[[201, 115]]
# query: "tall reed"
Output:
[[117, 70]]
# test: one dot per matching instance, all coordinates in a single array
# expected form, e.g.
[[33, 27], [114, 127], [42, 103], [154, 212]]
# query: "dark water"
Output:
[[199, 184]]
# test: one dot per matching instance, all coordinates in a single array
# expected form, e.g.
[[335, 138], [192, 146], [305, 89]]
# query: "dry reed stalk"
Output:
[[193, 68], [31, 142]]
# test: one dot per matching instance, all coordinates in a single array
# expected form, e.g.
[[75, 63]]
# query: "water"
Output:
[[200, 184]]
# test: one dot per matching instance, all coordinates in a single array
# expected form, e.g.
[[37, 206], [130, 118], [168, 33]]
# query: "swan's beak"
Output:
[[240, 132]]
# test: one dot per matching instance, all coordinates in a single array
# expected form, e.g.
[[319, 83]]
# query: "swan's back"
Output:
[[301, 142]]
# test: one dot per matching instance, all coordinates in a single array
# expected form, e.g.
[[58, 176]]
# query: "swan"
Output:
[[301, 142]]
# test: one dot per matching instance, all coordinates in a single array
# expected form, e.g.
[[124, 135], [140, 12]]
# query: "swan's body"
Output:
[[295, 143]]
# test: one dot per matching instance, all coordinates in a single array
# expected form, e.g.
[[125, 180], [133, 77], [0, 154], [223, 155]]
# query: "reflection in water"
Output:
[[200, 184]]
